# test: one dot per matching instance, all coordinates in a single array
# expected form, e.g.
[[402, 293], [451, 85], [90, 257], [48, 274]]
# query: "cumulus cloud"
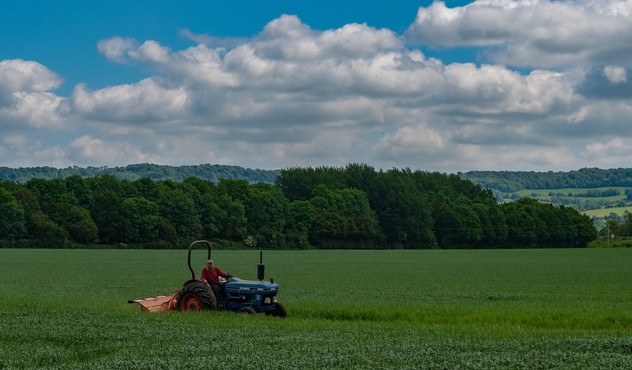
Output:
[[615, 74], [25, 95], [18, 75], [144, 101], [116, 48], [531, 33]]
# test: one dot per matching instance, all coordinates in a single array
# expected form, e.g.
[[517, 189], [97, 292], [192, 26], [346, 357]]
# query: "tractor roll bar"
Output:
[[208, 246]]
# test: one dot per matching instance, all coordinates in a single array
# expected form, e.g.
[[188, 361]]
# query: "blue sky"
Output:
[[442, 86]]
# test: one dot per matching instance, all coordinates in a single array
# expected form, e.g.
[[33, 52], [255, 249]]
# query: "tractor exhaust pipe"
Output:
[[261, 267]]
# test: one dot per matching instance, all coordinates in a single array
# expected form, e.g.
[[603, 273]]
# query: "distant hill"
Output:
[[503, 181], [213, 172], [513, 181]]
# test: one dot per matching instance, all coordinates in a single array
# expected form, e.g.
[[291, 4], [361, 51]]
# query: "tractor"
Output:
[[236, 295]]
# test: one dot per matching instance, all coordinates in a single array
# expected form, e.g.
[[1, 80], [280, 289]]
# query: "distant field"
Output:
[[602, 212], [545, 196], [519, 309], [544, 193]]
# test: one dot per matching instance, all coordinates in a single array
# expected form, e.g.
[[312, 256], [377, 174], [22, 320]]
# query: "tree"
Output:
[[63, 208], [403, 211], [80, 189], [141, 220], [76, 221], [238, 190], [343, 217], [613, 227], [266, 211], [47, 233], [300, 220], [51, 192], [107, 213], [492, 220], [456, 223], [233, 222], [521, 227], [178, 209], [12, 220], [586, 231]]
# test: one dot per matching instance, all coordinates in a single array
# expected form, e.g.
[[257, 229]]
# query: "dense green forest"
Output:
[[328, 207], [513, 181]]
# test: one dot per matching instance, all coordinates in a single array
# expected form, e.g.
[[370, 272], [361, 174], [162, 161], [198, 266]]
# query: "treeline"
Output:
[[504, 181], [512, 181], [213, 172], [351, 207]]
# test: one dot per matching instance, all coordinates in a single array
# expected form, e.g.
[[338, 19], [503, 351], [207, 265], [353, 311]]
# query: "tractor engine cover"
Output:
[[261, 295]]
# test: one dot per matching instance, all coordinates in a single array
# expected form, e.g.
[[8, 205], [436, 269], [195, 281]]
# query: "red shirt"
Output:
[[212, 276]]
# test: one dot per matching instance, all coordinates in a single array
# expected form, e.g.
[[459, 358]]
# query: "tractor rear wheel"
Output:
[[195, 296], [279, 311]]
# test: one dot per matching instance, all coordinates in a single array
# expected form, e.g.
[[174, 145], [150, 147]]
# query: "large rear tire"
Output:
[[196, 296]]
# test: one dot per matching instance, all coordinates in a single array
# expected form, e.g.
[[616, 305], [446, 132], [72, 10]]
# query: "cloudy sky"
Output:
[[448, 86]]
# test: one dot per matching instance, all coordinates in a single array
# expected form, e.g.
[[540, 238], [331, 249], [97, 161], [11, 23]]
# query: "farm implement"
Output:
[[235, 294]]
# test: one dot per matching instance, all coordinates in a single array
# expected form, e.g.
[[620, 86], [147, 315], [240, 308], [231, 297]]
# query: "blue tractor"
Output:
[[235, 294]]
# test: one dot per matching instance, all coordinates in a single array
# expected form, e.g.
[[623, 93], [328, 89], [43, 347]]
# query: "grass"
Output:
[[564, 308]]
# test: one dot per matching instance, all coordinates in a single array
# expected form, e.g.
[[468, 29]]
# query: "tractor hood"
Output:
[[239, 285]]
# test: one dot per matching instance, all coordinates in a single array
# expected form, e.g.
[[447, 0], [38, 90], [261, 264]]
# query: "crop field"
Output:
[[543, 193], [432, 309], [603, 212], [612, 202]]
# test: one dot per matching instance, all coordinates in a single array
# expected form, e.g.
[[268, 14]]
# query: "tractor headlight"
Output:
[[267, 300]]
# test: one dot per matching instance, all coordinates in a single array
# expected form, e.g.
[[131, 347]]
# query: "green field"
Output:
[[544, 193], [603, 212], [471, 309], [609, 204]]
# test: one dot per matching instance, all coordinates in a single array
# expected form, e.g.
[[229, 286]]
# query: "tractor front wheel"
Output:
[[195, 296], [247, 310], [279, 311]]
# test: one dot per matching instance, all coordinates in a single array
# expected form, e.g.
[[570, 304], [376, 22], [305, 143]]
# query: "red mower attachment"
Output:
[[161, 303]]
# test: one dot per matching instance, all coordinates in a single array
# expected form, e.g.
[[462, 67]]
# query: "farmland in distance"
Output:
[[539, 308]]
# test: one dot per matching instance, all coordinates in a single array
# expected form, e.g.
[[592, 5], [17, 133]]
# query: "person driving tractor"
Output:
[[210, 274]]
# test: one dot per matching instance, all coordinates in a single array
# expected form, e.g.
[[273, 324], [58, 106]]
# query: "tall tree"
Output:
[[178, 209], [266, 212], [300, 220], [107, 213], [12, 220], [141, 220], [344, 217]]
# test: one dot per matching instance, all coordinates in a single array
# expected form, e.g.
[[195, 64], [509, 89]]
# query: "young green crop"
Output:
[[564, 308]]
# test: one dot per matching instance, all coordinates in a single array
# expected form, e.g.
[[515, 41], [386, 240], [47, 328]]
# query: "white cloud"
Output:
[[116, 48], [615, 74], [151, 51], [532, 33], [18, 75], [25, 97], [144, 101], [88, 149]]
